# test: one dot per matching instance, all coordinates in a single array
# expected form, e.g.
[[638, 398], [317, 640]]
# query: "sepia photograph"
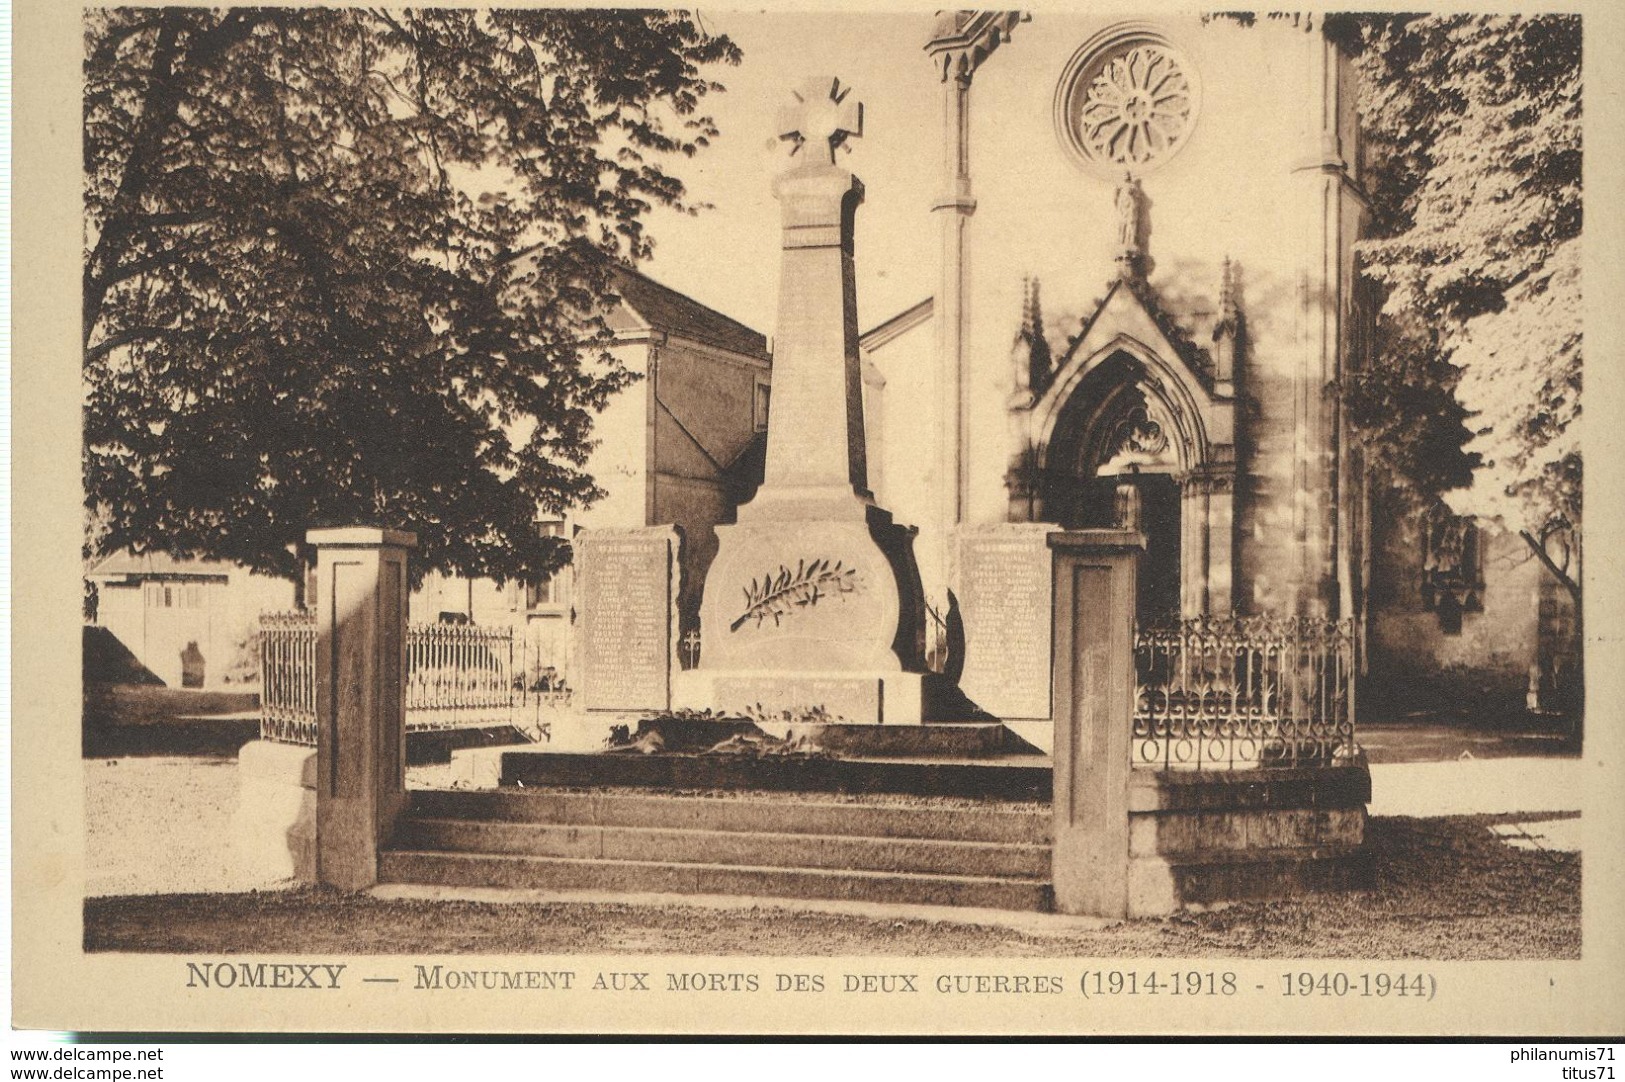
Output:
[[838, 521]]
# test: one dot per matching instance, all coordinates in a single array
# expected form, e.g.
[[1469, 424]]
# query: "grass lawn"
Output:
[[1446, 889]]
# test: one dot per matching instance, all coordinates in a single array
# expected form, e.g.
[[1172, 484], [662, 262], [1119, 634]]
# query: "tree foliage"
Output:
[[351, 265], [1473, 128]]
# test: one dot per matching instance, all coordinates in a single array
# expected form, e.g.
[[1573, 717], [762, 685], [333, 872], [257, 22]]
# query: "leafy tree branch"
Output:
[[353, 265]]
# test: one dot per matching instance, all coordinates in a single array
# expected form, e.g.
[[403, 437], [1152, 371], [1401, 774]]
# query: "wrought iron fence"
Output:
[[1242, 692], [460, 676], [287, 650], [457, 676]]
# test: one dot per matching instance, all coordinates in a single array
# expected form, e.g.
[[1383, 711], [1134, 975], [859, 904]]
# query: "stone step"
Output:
[[1239, 876], [726, 847], [427, 746], [979, 821], [1027, 778], [663, 877]]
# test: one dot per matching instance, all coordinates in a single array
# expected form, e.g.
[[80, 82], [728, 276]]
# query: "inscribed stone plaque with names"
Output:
[[1004, 590], [628, 610]]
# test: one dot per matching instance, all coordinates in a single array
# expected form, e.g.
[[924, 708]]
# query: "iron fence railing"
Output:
[[287, 650], [1241, 692], [458, 676], [1212, 693]]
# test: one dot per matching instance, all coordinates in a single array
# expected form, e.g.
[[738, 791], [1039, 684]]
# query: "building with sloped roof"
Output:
[[680, 445], [186, 622]]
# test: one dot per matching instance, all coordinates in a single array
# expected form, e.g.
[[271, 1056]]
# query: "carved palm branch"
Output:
[[778, 595]]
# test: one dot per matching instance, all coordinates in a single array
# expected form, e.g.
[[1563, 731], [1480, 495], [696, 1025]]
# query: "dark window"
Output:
[[546, 592], [1452, 568], [764, 397]]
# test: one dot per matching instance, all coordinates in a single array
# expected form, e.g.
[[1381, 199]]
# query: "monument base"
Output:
[[854, 697]]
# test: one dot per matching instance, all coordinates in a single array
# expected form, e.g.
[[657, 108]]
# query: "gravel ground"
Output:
[[1447, 888], [156, 825]]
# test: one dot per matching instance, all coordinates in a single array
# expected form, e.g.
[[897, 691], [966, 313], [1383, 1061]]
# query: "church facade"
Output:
[[1147, 283], [1147, 305]]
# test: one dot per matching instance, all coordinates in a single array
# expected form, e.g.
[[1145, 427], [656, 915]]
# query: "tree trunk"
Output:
[[1559, 573], [172, 66]]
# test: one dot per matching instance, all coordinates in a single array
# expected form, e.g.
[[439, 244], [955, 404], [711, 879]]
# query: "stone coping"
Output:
[[1294, 787], [1097, 540], [361, 537]]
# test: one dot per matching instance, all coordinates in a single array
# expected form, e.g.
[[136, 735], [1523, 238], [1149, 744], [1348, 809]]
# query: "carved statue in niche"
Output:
[[1452, 568], [1128, 212], [1130, 203], [1128, 507]]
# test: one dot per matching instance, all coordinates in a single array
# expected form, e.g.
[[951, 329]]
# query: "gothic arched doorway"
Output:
[[1130, 408], [1110, 459]]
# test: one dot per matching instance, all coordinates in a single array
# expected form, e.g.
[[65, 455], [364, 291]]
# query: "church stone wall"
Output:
[[1227, 191], [1417, 663], [1247, 185], [901, 473]]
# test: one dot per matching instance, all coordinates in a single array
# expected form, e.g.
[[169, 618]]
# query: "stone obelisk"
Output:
[[811, 607]]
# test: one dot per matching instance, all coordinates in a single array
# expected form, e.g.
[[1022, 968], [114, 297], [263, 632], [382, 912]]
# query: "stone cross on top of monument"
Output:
[[823, 116]]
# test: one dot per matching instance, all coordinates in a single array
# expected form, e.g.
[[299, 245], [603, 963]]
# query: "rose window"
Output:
[[1128, 107]]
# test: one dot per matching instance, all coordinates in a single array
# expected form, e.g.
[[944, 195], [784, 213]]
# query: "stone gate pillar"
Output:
[[1095, 590], [360, 698]]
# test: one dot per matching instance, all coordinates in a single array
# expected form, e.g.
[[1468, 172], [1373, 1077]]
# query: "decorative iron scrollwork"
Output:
[[1242, 692]]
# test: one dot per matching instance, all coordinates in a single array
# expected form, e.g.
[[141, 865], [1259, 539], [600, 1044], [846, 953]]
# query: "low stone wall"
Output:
[[1202, 838], [274, 828]]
